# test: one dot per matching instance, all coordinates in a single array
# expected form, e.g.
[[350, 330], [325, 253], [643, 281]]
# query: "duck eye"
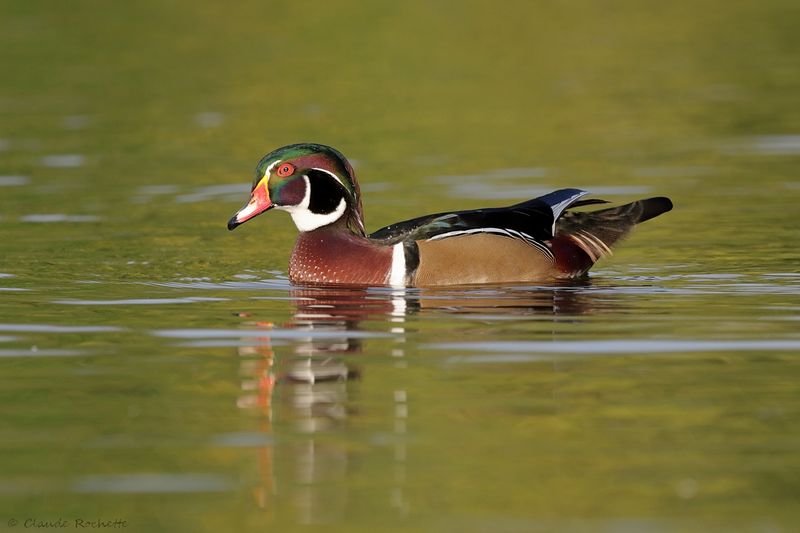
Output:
[[285, 169]]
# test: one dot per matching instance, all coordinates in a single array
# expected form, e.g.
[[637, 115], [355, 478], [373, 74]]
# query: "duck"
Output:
[[540, 240]]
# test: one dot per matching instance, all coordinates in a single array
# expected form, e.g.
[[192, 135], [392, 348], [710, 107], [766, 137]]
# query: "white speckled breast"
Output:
[[330, 255]]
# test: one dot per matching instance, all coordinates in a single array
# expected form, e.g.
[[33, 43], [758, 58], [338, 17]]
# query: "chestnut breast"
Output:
[[331, 256]]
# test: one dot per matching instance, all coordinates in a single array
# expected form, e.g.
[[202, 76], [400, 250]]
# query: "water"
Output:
[[161, 371]]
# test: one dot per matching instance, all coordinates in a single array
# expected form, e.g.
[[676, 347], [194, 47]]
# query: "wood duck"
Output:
[[534, 241]]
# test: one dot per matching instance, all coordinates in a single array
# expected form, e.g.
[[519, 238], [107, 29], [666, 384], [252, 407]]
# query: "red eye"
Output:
[[285, 169]]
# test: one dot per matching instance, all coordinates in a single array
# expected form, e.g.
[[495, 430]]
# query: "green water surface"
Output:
[[160, 373]]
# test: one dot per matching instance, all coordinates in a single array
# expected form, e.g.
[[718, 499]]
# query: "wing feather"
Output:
[[531, 221]]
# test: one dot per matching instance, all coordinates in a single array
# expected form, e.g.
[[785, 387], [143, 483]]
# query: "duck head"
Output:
[[313, 182]]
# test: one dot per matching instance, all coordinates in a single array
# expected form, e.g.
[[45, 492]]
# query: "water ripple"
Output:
[[141, 301], [34, 352], [153, 190], [271, 333], [151, 483], [209, 119], [280, 284], [773, 144], [229, 192], [516, 351], [11, 181], [228, 343], [58, 217], [50, 328], [63, 160], [243, 439]]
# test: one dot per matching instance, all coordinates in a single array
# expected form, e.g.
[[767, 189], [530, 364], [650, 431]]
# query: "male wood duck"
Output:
[[534, 241]]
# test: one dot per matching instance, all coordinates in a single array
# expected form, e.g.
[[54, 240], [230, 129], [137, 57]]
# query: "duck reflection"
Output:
[[313, 374]]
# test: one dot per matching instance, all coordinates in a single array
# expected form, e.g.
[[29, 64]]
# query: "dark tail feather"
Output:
[[583, 238], [652, 207]]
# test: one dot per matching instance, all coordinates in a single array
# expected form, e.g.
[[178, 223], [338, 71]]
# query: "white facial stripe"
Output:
[[397, 275], [334, 176], [270, 167], [331, 174], [304, 219]]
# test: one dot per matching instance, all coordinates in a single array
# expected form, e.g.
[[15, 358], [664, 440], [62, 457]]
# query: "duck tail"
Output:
[[582, 238]]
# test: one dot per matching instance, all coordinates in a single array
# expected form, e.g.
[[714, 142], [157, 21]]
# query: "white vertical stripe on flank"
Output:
[[397, 276]]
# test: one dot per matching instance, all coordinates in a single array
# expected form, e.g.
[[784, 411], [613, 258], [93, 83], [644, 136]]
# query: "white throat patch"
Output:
[[304, 219]]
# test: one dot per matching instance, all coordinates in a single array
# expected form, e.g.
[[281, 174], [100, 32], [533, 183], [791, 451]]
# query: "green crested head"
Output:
[[313, 182]]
